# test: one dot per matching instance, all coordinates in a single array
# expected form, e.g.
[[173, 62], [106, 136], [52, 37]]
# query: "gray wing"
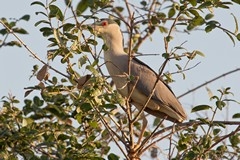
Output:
[[163, 95]]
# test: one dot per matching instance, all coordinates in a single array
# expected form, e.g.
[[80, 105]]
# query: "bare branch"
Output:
[[210, 81], [181, 126], [30, 51], [221, 139], [111, 132]]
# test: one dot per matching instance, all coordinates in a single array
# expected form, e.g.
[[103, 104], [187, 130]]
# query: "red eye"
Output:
[[104, 23]]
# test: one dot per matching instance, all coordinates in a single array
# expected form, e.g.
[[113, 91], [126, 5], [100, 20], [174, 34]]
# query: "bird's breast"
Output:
[[117, 66]]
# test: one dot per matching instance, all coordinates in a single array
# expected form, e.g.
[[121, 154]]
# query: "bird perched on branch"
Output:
[[163, 103]]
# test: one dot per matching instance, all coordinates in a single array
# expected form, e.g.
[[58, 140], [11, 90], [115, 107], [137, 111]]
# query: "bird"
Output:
[[163, 103]]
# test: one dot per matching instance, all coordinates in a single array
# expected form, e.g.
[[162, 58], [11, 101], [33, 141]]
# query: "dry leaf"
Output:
[[42, 72], [83, 80], [41, 84], [28, 92], [46, 76]]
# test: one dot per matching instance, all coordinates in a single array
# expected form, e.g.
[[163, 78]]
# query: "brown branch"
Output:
[[180, 126], [142, 39], [128, 9], [111, 132], [30, 51], [159, 74], [221, 139], [4, 40], [146, 140], [186, 69], [210, 81]]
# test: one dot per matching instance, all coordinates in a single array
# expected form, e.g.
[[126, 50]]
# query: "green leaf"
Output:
[[230, 36], [38, 3], [165, 55], [171, 12], [216, 131], [144, 3], [67, 27], [25, 17], [37, 101], [79, 118], [237, 115], [220, 104], [209, 16], [209, 28], [236, 24], [81, 7], [68, 2], [163, 29], [82, 60], [27, 121], [169, 38], [46, 31], [85, 107], [13, 43], [194, 12], [156, 121], [119, 9], [55, 12], [93, 124], [110, 106], [92, 41], [42, 21], [235, 140], [193, 2], [205, 121], [112, 156], [154, 20], [57, 37], [200, 108], [63, 137], [205, 5], [236, 1], [37, 13], [179, 67], [3, 32], [238, 36], [20, 30], [199, 53]]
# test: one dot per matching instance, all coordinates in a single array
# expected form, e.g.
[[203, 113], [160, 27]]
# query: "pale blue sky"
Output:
[[221, 56]]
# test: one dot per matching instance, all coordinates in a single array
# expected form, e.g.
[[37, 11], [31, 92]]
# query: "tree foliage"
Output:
[[82, 116]]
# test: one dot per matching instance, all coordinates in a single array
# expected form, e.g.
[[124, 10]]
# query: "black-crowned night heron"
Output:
[[163, 103]]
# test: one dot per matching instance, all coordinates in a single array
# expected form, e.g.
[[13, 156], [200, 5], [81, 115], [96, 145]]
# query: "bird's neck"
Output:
[[114, 44]]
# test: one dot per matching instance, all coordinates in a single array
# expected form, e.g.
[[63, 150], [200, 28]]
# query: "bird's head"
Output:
[[110, 31], [106, 27]]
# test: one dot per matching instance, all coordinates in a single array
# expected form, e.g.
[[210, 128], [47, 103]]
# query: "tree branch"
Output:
[[30, 51], [181, 126], [210, 81]]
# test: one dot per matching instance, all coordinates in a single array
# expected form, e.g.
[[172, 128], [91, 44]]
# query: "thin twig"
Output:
[[111, 132], [146, 140], [159, 74], [30, 51], [188, 124], [128, 9], [221, 139], [181, 71], [210, 81]]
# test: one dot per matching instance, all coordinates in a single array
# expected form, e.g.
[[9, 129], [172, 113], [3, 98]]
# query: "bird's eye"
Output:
[[104, 23]]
